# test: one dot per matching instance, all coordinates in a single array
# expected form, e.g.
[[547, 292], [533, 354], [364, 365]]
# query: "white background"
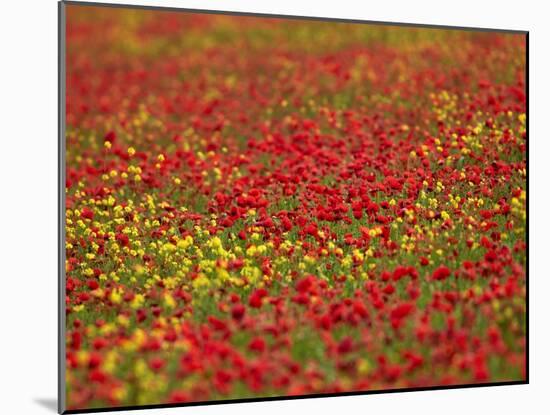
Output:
[[28, 169]]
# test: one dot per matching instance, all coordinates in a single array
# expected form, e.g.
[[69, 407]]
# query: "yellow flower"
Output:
[[185, 243], [168, 247], [116, 296], [201, 281], [83, 356], [138, 301], [78, 308], [363, 366], [120, 393], [123, 320], [169, 301]]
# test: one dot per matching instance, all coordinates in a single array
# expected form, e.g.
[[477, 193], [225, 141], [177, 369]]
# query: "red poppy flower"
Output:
[[87, 213], [441, 273]]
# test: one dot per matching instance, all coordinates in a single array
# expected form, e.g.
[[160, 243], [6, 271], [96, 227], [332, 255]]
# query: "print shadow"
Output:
[[48, 403]]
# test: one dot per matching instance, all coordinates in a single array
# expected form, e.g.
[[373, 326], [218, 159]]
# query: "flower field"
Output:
[[266, 207]]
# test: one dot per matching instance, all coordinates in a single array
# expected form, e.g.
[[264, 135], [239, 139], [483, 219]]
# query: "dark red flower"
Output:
[[441, 273]]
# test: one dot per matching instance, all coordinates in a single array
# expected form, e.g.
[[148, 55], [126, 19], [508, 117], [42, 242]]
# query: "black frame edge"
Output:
[[293, 397], [527, 371], [61, 80], [286, 16]]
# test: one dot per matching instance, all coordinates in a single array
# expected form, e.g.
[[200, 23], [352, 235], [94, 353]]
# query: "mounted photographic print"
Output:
[[259, 207]]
